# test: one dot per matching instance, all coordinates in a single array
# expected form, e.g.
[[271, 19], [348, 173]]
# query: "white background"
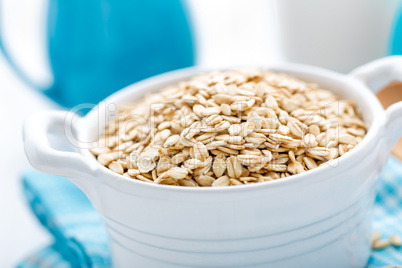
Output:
[[228, 33]]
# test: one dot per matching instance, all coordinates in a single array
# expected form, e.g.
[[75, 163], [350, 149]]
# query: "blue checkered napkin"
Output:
[[47, 257], [81, 238], [64, 210], [388, 214]]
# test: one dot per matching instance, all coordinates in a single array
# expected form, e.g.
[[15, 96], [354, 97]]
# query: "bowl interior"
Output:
[[92, 125]]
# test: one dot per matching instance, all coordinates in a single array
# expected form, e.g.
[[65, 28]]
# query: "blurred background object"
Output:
[[98, 47], [396, 32], [335, 34], [393, 92]]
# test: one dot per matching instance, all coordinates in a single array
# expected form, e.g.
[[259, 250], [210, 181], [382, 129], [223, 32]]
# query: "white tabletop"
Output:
[[20, 232], [239, 37]]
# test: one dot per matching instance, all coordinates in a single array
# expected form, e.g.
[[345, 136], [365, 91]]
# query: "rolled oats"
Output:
[[221, 181], [229, 128]]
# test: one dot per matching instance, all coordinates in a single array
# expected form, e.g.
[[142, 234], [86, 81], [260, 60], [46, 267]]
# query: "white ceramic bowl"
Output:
[[320, 218]]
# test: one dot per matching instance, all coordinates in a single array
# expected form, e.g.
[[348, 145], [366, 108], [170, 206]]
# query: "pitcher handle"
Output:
[[40, 153], [14, 66], [376, 75]]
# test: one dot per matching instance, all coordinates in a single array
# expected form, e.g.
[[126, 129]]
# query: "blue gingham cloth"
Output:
[[81, 240], [388, 214]]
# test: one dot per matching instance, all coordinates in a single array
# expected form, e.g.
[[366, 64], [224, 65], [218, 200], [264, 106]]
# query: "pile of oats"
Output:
[[377, 243], [229, 128]]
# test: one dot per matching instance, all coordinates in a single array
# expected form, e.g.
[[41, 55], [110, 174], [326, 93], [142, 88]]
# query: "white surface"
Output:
[[336, 34], [244, 227], [232, 32], [20, 232]]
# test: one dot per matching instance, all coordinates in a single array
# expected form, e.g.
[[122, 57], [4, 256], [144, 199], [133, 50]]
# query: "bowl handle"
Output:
[[376, 75], [40, 153]]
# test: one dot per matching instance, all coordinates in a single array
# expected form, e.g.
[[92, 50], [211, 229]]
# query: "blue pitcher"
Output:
[[396, 36], [99, 46]]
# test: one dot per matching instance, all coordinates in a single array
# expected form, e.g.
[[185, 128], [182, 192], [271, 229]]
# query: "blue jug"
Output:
[[396, 35], [99, 46]]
